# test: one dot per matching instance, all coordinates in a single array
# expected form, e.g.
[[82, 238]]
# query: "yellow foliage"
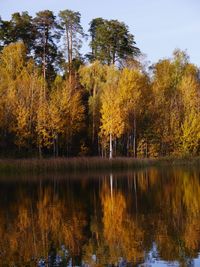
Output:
[[111, 113]]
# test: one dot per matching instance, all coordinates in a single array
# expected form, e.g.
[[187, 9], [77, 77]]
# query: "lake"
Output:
[[146, 218]]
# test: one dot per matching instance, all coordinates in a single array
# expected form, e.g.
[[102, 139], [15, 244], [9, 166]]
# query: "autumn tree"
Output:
[[20, 88], [167, 106], [112, 123], [134, 94], [67, 114], [12, 62], [42, 125], [28, 89], [190, 92], [93, 78]]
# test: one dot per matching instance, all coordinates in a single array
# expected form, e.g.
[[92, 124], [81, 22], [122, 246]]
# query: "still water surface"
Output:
[[145, 218]]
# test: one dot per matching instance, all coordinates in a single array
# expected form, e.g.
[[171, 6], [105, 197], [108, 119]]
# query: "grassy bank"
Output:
[[87, 164]]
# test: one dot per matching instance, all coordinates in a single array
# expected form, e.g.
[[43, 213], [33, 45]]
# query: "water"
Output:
[[145, 218]]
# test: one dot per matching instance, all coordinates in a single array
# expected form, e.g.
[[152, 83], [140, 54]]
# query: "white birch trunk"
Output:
[[111, 148]]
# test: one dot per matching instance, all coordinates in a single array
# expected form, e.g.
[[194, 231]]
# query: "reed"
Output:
[[87, 164]]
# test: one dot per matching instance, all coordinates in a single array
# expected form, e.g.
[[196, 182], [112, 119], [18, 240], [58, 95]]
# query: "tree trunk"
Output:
[[44, 60], [54, 147], [57, 146], [71, 56], [115, 146], [68, 52], [111, 148], [93, 120], [127, 145], [146, 148], [40, 151], [134, 139]]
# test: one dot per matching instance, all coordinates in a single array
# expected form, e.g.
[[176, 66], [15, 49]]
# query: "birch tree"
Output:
[[93, 78], [133, 87], [112, 124]]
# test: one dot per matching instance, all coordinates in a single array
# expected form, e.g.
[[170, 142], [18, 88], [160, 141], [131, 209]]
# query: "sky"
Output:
[[159, 26]]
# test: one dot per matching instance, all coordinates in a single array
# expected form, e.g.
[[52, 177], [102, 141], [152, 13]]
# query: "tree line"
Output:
[[56, 101]]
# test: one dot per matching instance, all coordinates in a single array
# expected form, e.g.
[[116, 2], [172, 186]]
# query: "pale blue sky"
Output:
[[159, 26]]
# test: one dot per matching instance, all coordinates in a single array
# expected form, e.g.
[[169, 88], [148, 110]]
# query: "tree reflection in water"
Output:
[[104, 220]]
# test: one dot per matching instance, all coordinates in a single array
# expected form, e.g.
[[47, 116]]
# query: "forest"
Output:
[[57, 101]]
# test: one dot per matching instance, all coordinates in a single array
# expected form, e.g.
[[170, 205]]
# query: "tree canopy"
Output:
[[111, 41], [53, 101]]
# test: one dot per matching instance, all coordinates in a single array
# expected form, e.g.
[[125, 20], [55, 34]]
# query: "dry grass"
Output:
[[86, 164]]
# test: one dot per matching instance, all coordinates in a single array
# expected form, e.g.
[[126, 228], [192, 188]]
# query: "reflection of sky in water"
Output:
[[197, 261], [160, 263], [153, 260]]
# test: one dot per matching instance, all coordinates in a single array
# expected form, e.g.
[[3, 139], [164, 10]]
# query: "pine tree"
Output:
[[111, 41], [73, 34]]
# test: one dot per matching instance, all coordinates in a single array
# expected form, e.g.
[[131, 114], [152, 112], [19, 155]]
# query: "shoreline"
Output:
[[79, 164]]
